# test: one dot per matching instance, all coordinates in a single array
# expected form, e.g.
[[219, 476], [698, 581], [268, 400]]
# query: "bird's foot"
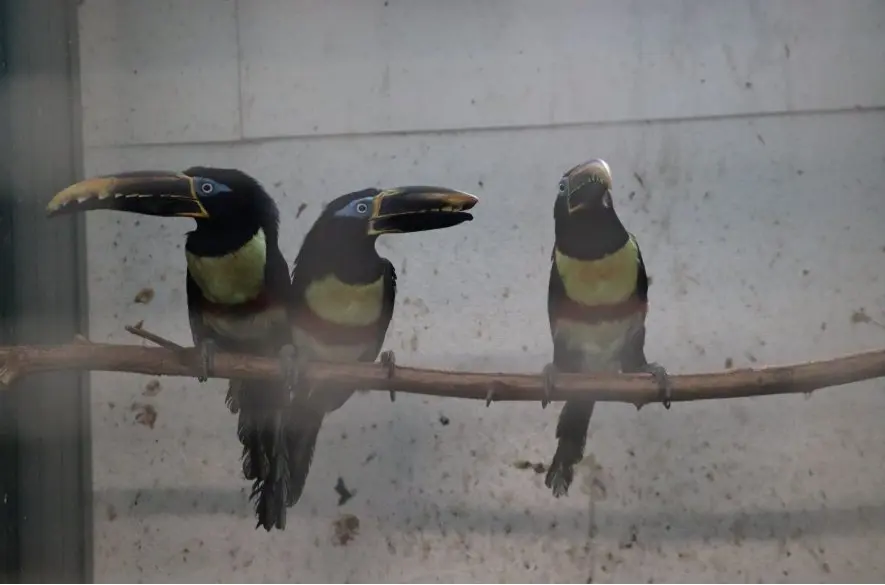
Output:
[[388, 362], [494, 387], [207, 349], [659, 373], [549, 374]]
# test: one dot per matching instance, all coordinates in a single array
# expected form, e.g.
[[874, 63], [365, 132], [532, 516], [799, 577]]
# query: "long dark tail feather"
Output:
[[270, 493], [301, 438], [261, 429], [571, 431]]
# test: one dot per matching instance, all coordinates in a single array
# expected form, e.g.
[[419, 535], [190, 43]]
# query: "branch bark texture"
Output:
[[638, 389]]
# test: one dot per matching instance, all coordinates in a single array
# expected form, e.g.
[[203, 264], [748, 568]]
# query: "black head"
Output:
[[364, 215], [585, 190], [585, 218], [206, 194]]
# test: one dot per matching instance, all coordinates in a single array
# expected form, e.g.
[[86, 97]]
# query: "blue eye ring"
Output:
[[207, 188], [362, 207]]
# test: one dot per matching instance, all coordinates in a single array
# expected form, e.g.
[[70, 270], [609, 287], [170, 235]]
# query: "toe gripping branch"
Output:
[[549, 374], [657, 371], [207, 348], [663, 381], [388, 362], [493, 389]]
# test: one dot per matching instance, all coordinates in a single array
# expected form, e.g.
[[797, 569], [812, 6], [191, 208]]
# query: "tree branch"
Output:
[[637, 389]]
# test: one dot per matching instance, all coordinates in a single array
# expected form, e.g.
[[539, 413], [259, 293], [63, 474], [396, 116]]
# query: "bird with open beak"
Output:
[[241, 298], [597, 302]]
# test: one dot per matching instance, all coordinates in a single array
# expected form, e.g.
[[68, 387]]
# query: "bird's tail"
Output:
[[302, 430], [261, 429], [571, 431]]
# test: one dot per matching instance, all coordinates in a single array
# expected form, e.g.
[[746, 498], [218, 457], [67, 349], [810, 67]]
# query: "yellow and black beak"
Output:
[[587, 185], [164, 193], [419, 208]]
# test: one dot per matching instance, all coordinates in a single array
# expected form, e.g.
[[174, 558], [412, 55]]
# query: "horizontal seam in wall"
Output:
[[501, 128]]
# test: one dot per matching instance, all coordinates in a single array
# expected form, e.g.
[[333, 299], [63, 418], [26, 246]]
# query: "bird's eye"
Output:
[[562, 186], [362, 208], [207, 188]]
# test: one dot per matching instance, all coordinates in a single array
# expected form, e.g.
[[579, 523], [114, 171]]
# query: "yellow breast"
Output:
[[233, 278], [345, 304], [609, 279]]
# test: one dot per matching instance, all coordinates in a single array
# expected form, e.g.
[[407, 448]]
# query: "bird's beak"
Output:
[[164, 193], [588, 184], [590, 195], [416, 209]]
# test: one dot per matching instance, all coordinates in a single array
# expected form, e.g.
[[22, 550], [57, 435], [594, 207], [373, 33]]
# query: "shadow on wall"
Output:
[[663, 526]]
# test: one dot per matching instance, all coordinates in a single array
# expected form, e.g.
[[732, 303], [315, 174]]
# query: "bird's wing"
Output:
[[633, 355], [386, 313]]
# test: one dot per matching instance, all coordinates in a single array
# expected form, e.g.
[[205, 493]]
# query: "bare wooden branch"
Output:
[[153, 338], [637, 389]]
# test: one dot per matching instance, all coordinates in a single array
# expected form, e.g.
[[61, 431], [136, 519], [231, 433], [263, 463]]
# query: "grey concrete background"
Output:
[[747, 142]]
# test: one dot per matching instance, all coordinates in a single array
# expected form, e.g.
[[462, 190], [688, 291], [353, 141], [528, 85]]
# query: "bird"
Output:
[[238, 291], [597, 301], [344, 292], [241, 297]]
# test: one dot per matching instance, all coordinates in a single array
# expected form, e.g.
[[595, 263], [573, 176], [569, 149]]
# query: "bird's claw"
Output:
[[549, 374], [207, 348], [659, 373], [388, 362], [493, 389], [290, 366]]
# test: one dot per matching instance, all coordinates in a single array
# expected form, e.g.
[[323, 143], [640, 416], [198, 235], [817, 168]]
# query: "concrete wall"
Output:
[[747, 142]]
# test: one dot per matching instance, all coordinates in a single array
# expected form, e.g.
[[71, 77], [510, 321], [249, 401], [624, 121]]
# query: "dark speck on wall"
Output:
[[145, 415], [346, 528], [152, 388], [344, 494], [144, 296]]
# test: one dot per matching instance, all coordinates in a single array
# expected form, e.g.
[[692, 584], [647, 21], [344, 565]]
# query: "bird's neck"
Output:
[[229, 267], [351, 262], [590, 237], [212, 239]]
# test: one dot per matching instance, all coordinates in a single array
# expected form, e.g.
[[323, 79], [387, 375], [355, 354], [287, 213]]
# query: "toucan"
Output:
[[343, 292], [597, 302], [241, 297]]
